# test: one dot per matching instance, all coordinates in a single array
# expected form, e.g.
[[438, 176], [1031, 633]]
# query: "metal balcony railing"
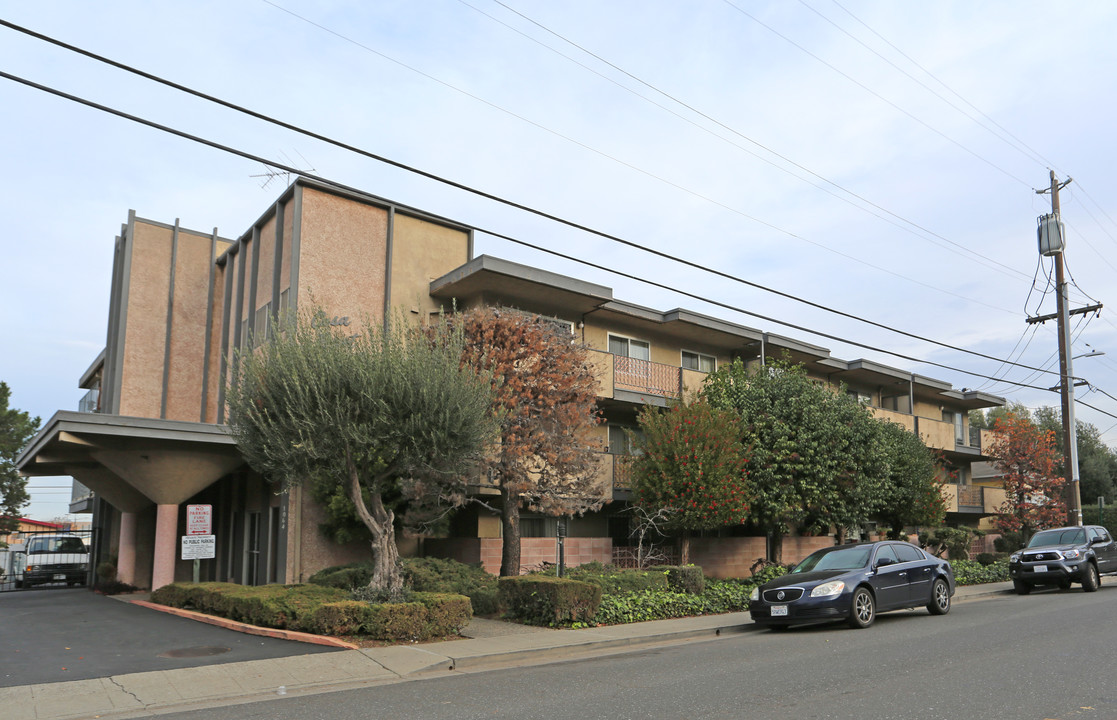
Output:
[[622, 473], [645, 376], [970, 497]]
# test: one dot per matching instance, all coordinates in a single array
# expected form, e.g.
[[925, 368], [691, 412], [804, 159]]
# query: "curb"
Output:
[[248, 629]]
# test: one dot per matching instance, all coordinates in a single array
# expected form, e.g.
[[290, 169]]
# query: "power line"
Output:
[[905, 224], [875, 94], [727, 306], [614, 238], [1020, 146], [460, 186]]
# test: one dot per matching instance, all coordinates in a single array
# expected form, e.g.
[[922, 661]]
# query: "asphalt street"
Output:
[[1047, 655], [57, 635]]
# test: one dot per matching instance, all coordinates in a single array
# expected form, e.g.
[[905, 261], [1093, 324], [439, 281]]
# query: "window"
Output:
[[538, 527], [958, 419], [885, 553], [908, 553], [699, 362], [627, 347], [620, 443], [262, 327], [284, 308], [861, 397]]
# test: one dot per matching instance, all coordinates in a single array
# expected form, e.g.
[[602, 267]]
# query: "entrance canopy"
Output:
[[132, 462]]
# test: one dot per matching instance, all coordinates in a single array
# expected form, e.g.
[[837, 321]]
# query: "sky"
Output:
[[879, 159]]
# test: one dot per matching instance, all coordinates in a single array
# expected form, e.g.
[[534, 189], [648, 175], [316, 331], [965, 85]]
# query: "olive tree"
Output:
[[384, 413]]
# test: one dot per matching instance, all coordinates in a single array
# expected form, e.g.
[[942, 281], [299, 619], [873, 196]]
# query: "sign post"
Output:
[[199, 542]]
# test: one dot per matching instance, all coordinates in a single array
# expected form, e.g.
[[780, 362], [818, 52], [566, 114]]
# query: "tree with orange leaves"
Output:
[[1028, 460], [544, 400]]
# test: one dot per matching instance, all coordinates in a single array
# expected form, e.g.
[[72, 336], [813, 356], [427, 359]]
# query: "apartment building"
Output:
[[149, 440]]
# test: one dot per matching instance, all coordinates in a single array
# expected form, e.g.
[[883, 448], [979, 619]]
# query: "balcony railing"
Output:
[[622, 473], [645, 376], [973, 499], [90, 402]]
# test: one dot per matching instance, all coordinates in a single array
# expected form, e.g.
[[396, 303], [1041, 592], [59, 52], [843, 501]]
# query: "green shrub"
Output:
[[398, 621], [345, 617], [345, 577], [321, 609], [720, 596], [612, 580], [985, 558], [439, 575], [447, 613], [764, 570], [543, 600], [1009, 542], [968, 572], [683, 578]]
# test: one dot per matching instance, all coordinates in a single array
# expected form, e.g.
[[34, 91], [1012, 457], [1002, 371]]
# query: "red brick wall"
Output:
[[718, 557], [533, 551], [733, 557]]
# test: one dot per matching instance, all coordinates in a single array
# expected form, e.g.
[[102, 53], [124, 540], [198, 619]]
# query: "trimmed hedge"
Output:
[[436, 575], [683, 578], [322, 610], [612, 580], [550, 601]]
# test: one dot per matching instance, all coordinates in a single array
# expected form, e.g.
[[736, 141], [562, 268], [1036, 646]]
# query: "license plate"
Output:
[[1039, 568], [59, 577], [779, 611]]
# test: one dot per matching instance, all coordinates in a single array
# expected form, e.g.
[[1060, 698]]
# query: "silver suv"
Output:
[[1064, 555]]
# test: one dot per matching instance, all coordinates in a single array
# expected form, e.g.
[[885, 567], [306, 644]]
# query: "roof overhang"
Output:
[[131, 461]]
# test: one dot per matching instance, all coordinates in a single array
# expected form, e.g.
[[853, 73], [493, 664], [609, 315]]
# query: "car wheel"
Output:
[[940, 598], [862, 610], [19, 583], [1091, 581], [1021, 587]]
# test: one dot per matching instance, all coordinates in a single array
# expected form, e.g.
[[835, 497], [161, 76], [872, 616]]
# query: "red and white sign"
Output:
[[199, 519]]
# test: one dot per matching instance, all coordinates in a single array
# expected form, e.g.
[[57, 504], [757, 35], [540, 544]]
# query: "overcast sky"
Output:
[[877, 158]]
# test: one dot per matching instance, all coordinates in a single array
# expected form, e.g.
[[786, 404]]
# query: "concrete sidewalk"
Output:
[[488, 643]]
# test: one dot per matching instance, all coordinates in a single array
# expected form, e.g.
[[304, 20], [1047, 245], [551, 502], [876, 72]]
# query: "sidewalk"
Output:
[[489, 643]]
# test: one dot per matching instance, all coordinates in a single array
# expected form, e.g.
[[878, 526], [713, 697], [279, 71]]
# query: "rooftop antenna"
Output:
[[270, 174]]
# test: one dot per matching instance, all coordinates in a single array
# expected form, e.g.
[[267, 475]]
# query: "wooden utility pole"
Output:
[[1066, 373]]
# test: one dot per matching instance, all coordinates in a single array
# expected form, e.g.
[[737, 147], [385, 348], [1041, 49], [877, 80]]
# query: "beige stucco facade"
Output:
[[183, 303]]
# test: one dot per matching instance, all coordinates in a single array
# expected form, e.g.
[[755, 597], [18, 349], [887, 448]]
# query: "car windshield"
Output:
[[1069, 536], [55, 545], [849, 558]]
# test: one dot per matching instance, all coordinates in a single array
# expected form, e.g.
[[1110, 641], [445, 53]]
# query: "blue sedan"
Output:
[[854, 583]]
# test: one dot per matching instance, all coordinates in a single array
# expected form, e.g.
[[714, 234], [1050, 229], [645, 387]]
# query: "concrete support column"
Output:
[[126, 551], [166, 546]]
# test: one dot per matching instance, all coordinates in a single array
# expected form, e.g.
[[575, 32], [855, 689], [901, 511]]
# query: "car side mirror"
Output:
[[1096, 540], [884, 561]]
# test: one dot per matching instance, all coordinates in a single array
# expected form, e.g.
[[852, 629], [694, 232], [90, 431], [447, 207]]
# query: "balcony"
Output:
[[618, 375], [90, 402], [974, 499], [613, 473]]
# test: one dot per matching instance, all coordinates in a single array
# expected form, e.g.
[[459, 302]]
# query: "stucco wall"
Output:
[[423, 251]]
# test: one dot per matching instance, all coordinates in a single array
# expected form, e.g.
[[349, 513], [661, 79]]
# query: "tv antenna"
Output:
[[270, 175]]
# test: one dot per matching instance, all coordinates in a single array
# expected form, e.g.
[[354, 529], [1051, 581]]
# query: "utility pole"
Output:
[[1051, 242]]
